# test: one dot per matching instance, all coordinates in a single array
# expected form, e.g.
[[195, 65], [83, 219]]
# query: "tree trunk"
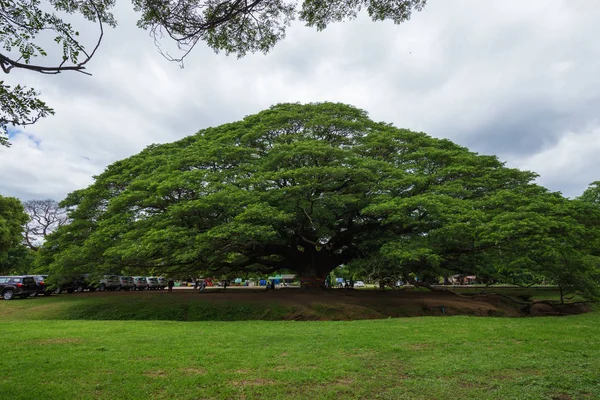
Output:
[[307, 282], [313, 276], [313, 267]]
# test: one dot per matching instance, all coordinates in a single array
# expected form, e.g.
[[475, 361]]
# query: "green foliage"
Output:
[[546, 236], [12, 219], [19, 106], [592, 193], [322, 13], [17, 260], [238, 27], [23, 20], [14, 257], [309, 187]]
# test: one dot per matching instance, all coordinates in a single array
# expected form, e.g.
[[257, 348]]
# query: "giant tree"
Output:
[[500, 228], [233, 26], [304, 188]]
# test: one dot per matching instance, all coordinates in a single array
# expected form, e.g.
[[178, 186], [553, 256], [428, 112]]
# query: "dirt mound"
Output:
[[340, 304], [545, 309], [365, 304]]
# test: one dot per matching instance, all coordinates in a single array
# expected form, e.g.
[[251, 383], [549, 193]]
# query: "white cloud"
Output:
[[569, 164]]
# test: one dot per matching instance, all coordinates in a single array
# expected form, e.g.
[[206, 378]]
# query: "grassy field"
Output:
[[407, 358]]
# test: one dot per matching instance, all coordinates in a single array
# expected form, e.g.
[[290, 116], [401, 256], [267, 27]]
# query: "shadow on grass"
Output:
[[169, 310]]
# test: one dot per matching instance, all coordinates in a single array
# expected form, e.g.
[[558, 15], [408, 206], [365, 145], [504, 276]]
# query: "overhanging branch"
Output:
[[7, 63]]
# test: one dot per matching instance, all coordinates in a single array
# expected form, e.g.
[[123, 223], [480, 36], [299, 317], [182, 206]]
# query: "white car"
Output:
[[126, 282], [109, 282], [359, 284], [152, 283], [140, 283], [162, 282]]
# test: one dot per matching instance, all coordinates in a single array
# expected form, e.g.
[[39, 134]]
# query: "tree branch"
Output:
[[8, 64]]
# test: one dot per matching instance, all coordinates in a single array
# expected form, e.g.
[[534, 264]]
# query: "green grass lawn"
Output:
[[411, 358], [138, 306]]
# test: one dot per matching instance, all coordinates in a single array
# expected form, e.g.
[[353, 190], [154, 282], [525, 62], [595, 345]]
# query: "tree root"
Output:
[[524, 306]]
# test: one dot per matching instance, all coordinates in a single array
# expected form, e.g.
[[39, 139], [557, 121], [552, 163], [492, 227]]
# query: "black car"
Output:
[[41, 285], [77, 284], [22, 286]]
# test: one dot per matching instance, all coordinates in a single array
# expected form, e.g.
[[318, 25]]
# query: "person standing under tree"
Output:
[[170, 284]]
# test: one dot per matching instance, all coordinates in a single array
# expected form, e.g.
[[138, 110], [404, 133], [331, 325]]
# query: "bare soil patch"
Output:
[[375, 304]]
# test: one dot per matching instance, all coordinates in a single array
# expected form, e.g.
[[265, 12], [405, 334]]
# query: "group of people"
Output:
[[200, 284], [346, 284]]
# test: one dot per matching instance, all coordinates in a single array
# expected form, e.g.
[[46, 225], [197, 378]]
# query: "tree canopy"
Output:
[[12, 220], [310, 187], [592, 193], [233, 26]]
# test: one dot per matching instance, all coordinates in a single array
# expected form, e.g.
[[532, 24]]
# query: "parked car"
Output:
[[109, 282], [126, 283], [152, 283], [162, 282], [140, 283], [41, 287], [22, 286], [359, 284], [76, 284]]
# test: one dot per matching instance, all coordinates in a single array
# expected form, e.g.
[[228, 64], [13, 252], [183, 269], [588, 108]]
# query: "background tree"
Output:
[[234, 26], [12, 220], [18, 260], [45, 216], [307, 188]]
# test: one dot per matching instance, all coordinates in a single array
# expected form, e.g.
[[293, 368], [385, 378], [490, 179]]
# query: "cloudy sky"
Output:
[[518, 79]]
